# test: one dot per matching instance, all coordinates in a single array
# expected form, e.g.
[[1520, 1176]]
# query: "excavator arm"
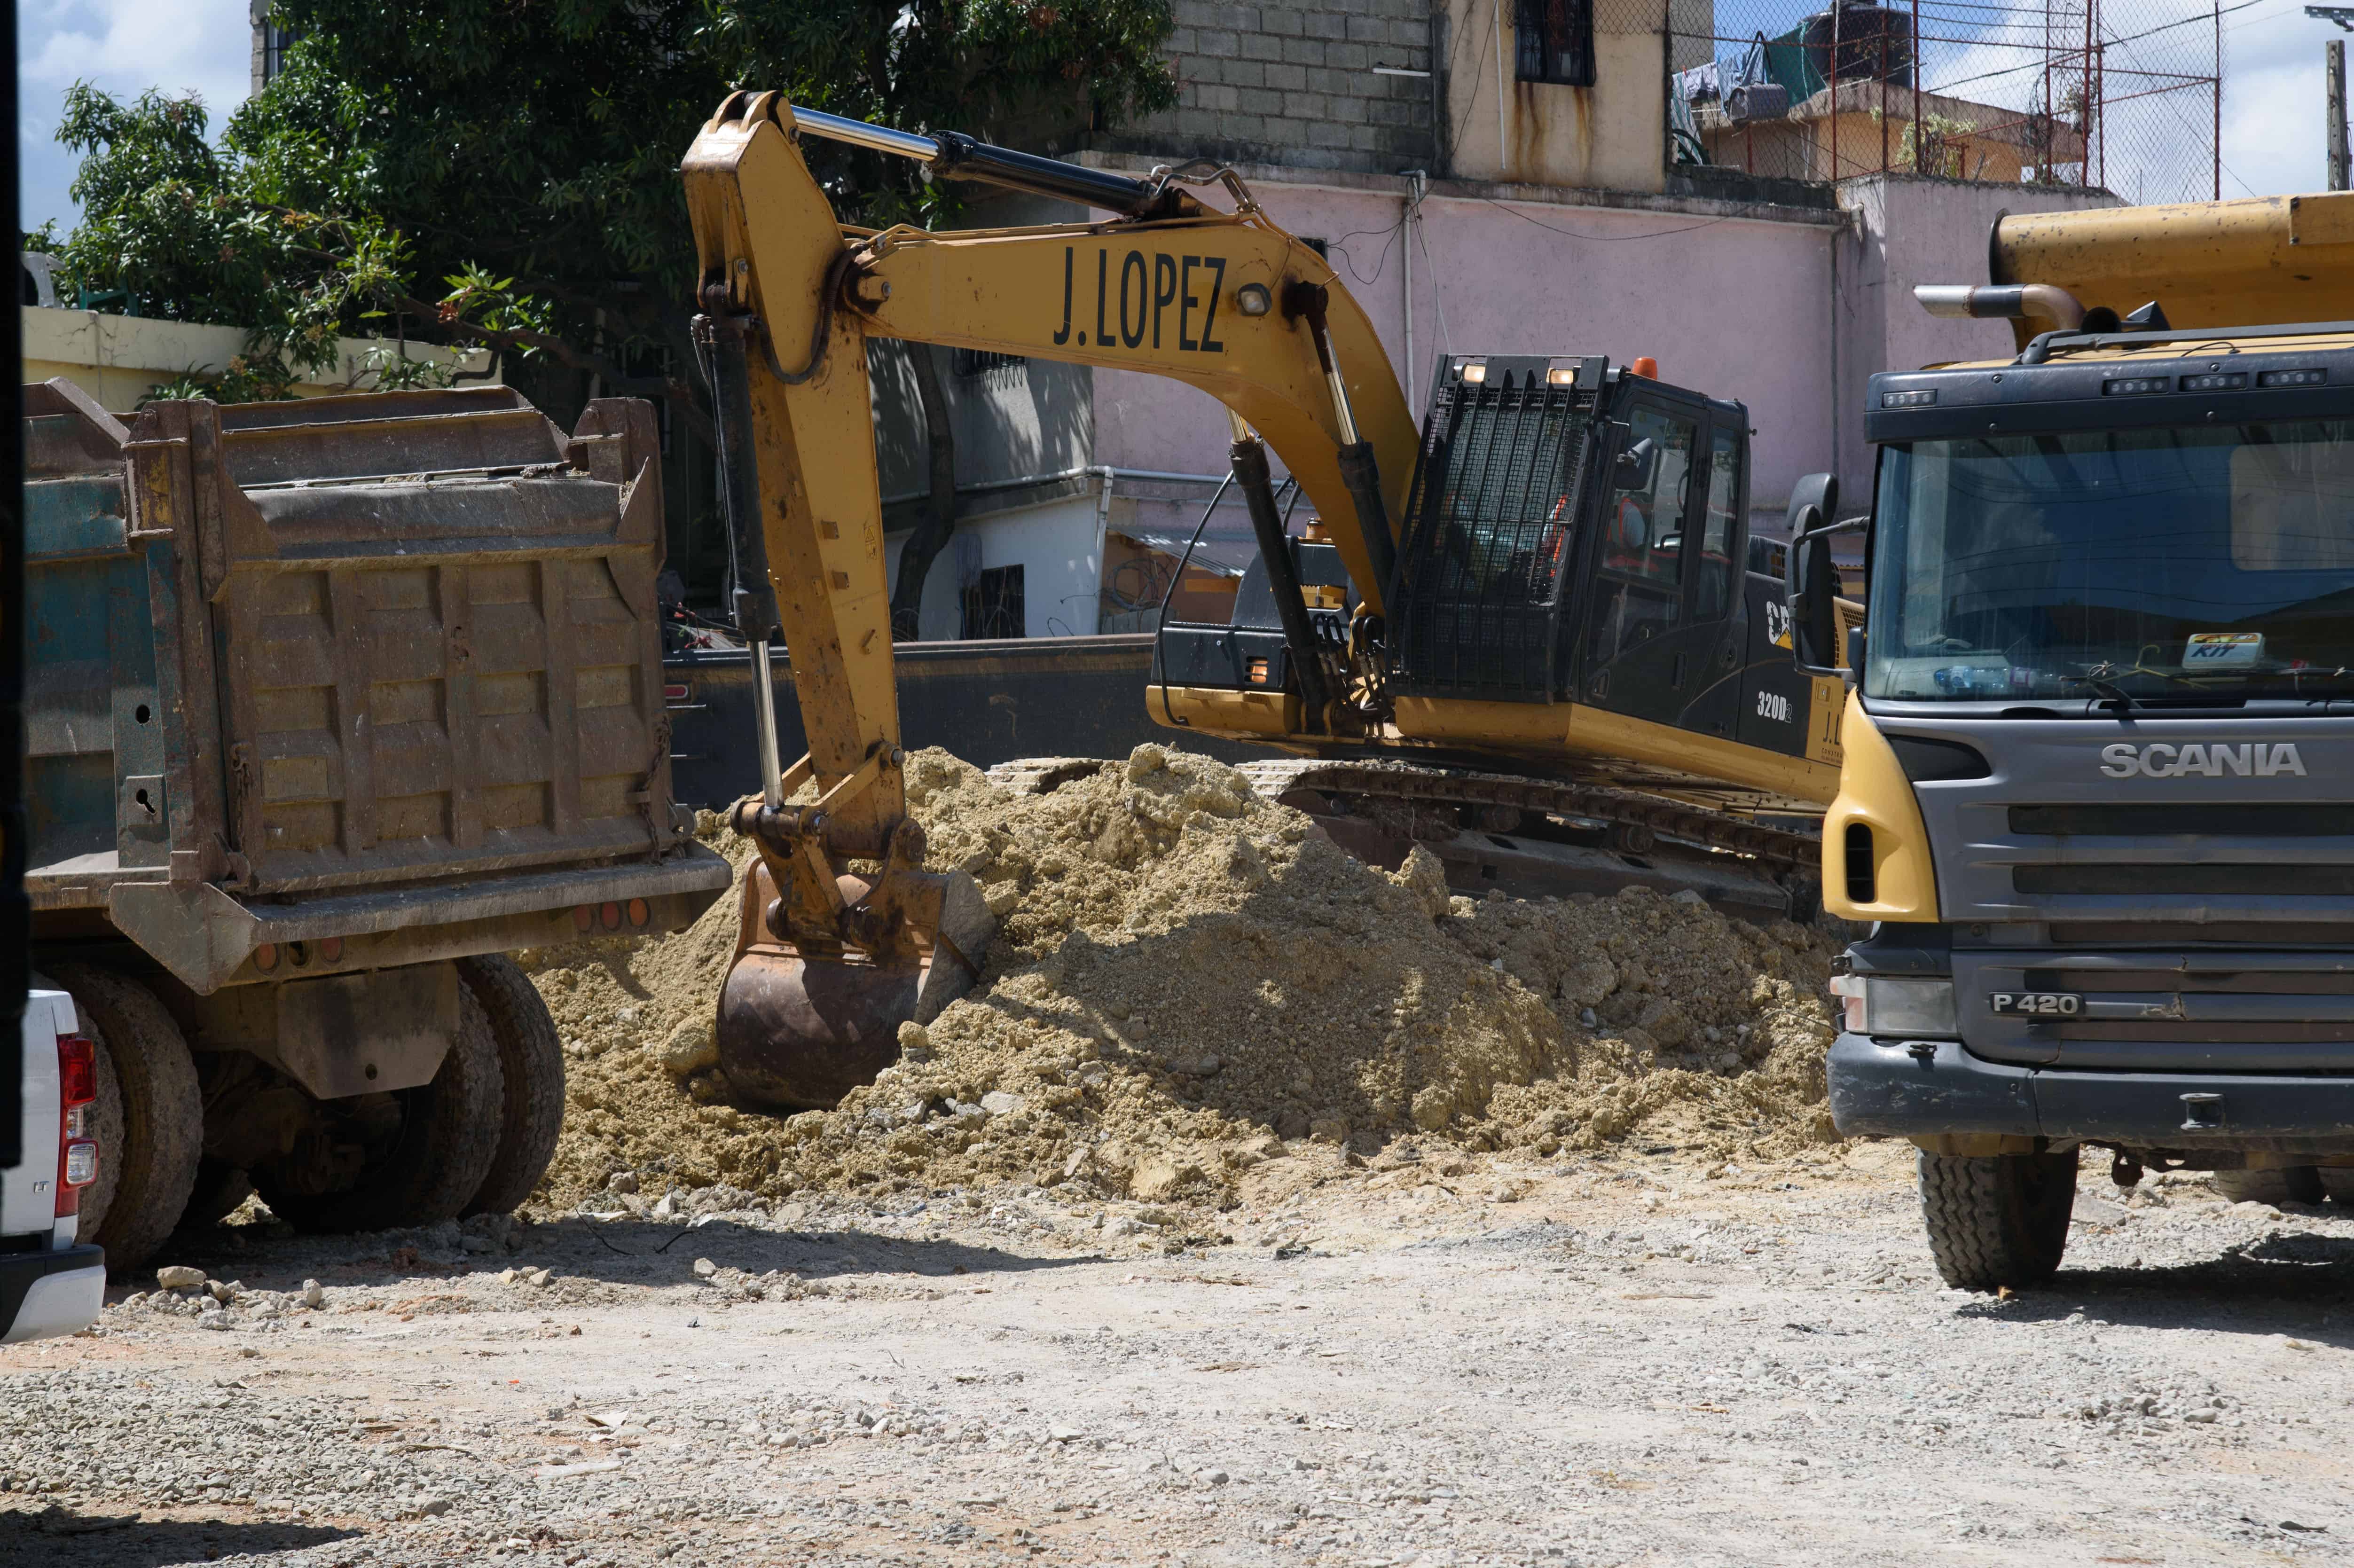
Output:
[[829, 963]]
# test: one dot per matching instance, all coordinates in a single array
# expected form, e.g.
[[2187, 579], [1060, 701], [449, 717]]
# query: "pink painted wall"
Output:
[[1734, 307]]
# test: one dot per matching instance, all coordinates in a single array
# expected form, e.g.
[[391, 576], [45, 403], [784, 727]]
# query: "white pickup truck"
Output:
[[49, 1283]]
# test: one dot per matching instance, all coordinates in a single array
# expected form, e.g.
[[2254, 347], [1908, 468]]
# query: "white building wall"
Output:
[[1056, 546]]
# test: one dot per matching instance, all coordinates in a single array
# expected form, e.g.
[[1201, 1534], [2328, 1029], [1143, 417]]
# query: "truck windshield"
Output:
[[2152, 563]]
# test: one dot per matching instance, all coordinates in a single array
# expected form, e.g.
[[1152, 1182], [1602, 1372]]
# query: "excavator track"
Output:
[[1383, 779], [1528, 837], [1538, 837]]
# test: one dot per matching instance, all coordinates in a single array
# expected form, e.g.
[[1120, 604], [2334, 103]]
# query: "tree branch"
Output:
[[683, 403]]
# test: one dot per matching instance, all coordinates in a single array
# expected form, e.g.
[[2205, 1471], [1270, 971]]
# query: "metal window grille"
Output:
[[1555, 41], [1492, 522], [993, 605]]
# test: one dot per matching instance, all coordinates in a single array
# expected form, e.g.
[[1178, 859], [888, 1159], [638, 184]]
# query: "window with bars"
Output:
[[993, 605], [1555, 41]]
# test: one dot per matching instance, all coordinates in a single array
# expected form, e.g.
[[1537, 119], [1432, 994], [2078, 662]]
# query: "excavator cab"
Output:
[[1574, 532]]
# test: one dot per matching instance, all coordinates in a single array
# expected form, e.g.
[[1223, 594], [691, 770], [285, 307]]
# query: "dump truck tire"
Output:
[[220, 1188], [2295, 1184], [430, 1166], [149, 1119], [531, 1066], [1998, 1221]]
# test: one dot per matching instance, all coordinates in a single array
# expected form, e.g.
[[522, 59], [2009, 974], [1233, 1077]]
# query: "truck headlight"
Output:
[[1877, 1005]]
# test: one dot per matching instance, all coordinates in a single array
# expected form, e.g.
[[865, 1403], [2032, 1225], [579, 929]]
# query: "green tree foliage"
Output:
[[490, 172]]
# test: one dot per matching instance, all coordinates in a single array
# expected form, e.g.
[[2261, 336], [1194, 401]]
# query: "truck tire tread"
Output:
[[162, 1109], [531, 1066], [1999, 1221], [448, 1137]]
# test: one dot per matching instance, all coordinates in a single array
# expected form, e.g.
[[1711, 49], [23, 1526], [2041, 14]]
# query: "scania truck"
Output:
[[2099, 748]]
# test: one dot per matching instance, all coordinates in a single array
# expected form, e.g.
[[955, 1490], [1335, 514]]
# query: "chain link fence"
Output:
[[2120, 95]]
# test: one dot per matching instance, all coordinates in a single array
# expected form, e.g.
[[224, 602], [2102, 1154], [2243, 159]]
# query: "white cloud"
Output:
[[123, 47], [2274, 125]]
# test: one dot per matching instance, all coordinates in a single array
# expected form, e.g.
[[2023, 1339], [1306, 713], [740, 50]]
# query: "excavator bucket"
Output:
[[798, 1032]]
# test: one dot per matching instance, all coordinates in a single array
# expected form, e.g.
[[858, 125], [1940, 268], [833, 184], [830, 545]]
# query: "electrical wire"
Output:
[[1604, 239], [1437, 295], [1381, 263]]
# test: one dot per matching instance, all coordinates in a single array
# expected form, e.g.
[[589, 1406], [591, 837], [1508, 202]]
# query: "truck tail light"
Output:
[[77, 1070], [77, 1152]]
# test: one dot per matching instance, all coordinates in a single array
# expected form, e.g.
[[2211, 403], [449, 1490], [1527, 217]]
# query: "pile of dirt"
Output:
[[1184, 975]]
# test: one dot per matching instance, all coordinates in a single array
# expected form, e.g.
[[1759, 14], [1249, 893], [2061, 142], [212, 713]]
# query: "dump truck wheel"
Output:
[[424, 1151], [220, 1188], [149, 1119], [1998, 1221], [2296, 1184], [531, 1066]]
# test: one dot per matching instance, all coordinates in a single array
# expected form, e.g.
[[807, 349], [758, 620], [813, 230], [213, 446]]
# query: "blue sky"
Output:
[[2272, 133], [123, 45]]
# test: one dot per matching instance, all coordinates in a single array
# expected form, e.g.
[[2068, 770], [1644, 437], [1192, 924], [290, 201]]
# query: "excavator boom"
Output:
[[829, 963]]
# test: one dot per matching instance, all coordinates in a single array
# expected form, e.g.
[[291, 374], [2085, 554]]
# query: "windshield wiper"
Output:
[[2100, 678], [2113, 692]]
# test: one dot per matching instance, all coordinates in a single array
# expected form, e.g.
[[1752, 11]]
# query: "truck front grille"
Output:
[[2133, 878], [2204, 1011], [2153, 818]]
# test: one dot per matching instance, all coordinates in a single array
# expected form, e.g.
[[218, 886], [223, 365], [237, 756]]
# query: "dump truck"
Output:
[[1532, 616], [332, 704], [2095, 795]]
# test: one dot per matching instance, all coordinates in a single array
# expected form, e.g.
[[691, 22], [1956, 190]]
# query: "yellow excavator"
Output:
[[1534, 634]]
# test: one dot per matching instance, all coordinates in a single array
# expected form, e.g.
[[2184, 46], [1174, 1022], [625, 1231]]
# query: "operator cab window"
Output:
[[1639, 593], [1712, 572]]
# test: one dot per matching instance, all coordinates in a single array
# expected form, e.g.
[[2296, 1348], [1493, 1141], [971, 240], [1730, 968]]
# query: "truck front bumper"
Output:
[[44, 1294], [1897, 1089]]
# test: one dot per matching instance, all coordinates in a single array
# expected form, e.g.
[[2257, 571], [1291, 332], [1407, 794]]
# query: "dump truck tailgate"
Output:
[[341, 645]]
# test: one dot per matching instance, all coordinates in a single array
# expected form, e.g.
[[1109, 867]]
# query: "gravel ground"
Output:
[[1433, 1361]]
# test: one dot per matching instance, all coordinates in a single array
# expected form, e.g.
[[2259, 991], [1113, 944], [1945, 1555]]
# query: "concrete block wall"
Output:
[[1296, 84]]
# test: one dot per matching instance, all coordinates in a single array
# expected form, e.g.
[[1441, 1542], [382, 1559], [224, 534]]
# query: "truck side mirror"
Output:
[[1812, 579], [1637, 466]]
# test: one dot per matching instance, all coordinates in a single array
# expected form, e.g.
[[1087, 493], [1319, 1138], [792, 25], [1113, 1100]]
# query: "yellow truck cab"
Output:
[[2095, 797]]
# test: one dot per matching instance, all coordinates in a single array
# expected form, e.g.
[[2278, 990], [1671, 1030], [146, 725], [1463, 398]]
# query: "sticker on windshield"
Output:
[[2222, 650]]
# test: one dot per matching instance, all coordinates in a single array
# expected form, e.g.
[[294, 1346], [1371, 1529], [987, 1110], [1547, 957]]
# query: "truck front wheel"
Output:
[[410, 1156], [531, 1065], [1998, 1221]]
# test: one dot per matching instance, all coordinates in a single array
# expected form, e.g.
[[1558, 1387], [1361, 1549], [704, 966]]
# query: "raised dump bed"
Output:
[[330, 703]]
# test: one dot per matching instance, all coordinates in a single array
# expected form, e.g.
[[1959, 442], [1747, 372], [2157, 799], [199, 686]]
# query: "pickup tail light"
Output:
[[77, 1151]]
